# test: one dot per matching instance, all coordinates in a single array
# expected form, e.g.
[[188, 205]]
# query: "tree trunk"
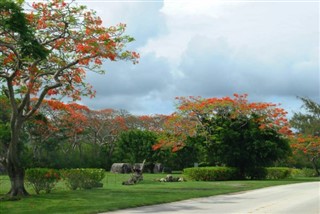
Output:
[[16, 174], [313, 161], [14, 166]]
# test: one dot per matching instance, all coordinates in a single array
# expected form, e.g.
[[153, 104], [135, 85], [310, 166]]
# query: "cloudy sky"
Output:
[[268, 49]]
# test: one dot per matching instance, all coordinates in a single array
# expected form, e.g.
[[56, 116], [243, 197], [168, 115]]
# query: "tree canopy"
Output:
[[307, 122], [45, 52], [236, 132], [307, 139], [14, 20]]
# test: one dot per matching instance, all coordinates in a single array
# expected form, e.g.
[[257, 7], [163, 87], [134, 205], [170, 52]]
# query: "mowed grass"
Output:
[[115, 196]]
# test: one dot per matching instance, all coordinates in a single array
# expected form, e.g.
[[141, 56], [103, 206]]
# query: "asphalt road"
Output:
[[302, 198]]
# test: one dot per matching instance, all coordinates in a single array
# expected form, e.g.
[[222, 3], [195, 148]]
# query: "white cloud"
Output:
[[215, 8], [212, 48], [185, 20], [261, 45]]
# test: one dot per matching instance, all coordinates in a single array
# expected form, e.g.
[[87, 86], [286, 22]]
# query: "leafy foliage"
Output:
[[307, 140], [307, 123], [83, 178], [134, 146], [76, 41], [4, 126], [246, 147], [278, 172], [14, 20], [42, 179], [46, 52], [229, 173], [236, 132], [194, 151], [211, 173]]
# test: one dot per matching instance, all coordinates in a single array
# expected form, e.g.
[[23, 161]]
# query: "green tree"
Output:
[[307, 122], [61, 42], [134, 146], [17, 23], [239, 142], [235, 132], [193, 152], [307, 139]]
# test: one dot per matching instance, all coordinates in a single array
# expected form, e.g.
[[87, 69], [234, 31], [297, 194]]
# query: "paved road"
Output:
[[302, 198]]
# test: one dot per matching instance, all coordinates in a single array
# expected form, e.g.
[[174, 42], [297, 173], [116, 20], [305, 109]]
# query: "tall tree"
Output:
[[307, 125], [307, 122], [236, 132], [104, 128], [56, 119], [65, 42], [134, 146]]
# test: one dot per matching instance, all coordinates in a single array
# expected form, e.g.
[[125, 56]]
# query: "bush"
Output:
[[211, 173], [72, 178], [83, 178], [278, 172], [296, 173], [42, 179], [258, 173], [307, 172]]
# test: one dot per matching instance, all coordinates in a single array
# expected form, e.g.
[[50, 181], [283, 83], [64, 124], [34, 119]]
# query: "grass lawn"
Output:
[[115, 196]]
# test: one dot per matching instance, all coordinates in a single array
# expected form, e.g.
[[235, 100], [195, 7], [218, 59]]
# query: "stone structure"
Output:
[[136, 176], [121, 168], [158, 168]]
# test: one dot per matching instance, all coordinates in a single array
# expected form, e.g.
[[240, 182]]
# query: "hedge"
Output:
[[230, 173], [42, 179], [211, 173], [275, 173], [83, 178]]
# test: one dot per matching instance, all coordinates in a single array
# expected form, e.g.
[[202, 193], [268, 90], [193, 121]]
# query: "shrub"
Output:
[[305, 172], [278, 172], [42, 179], [258, 173], [211, 173], [309, 172], [72, 178], [83, 178], [296, 173]]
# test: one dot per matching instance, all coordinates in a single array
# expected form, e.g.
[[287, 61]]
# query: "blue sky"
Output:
[[268, 49]]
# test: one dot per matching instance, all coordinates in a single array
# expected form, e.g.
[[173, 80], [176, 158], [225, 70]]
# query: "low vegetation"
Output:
[[231, 173], [211, 173], [83, 178], [113, 195], [42, 179]]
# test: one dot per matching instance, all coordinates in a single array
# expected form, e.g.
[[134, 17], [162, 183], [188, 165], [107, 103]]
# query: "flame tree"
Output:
[[59, 44], [307, 124], [236, 132]]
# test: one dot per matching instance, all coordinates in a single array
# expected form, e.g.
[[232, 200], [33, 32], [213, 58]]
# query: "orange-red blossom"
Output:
[[191, 111]]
